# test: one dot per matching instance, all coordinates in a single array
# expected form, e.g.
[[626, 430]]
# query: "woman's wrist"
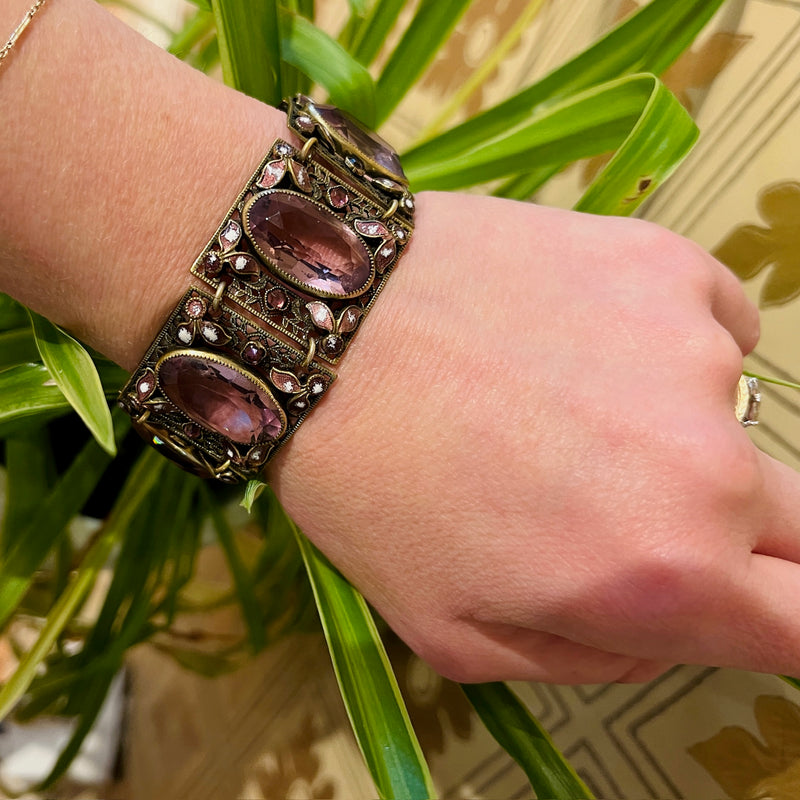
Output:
[[115, 175]]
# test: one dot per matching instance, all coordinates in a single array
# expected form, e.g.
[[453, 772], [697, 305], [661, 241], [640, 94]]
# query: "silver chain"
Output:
[[18, 31]]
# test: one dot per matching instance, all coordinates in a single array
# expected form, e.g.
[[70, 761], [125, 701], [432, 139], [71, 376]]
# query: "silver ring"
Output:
[[748, 401]]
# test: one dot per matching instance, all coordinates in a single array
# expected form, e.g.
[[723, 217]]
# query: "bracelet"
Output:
[[18, 31], [285, 284]]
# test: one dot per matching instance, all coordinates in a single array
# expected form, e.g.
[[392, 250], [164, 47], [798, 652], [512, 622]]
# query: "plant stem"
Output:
[[482, 73], [777, 381]]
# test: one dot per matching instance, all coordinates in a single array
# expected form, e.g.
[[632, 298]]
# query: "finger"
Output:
[[764, 620], [778, 512], [732, 308], [514, 653]]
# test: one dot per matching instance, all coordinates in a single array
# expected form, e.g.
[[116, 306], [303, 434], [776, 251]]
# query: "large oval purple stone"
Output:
[[217, 395], [348, 130], [308, 245]]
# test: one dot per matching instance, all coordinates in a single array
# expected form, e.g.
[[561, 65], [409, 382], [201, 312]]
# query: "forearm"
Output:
[[113, 153]]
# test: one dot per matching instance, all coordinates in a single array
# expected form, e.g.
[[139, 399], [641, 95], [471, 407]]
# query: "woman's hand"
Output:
[[530, 462]]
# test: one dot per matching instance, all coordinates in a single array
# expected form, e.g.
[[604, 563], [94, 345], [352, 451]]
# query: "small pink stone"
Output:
[[338, 197], [195, 307], [253, 352], [191, 430], [277, 299], [305, 123]]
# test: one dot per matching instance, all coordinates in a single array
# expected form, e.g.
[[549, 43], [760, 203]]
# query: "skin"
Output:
[[529, 463]]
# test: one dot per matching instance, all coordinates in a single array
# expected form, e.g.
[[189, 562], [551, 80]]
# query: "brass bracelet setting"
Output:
[[284, 285]]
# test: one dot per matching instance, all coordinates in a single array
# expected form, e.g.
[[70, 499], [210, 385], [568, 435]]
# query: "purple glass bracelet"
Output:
[[285, 284]]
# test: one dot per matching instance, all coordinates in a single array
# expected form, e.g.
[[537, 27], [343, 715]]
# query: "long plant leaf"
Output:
[[595, 121], [29, 546], [365, 37], [12, 313], [28, 395], [368, 686], [327, 63], [29, 474], [17, 346], [526, 741], [139, 483], [75, 374], [427, 32], [250, 49], [662, 137], [242, 579], [648, 41]]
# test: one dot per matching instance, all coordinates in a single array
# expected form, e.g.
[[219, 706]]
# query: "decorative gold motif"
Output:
[[750, 249], [750, 769]]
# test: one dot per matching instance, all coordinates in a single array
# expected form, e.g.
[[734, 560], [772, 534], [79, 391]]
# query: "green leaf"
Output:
[[12, 313], [204, 5], [595, 121], [429, 29], [242, 579], [251, 492], [133, 494], [17, 346], [250, 49], [197, 28], [661, 138], [648, 41], [369, 689], [526, 741], [363, 37], [76, 376], [357, 7], [29, 546], [326, 62], [28, 395], [29, 474], [91, 707]]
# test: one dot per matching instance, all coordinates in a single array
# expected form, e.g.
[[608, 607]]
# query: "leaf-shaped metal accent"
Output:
[[349, 318], [385, 254], [230, 236], [185, 333], [244, 266], [299, 404], [213, 333], [321, 315], [285, 381], [146, 385], [272, 174], [317, 384], [300, 176], [373, 228]]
